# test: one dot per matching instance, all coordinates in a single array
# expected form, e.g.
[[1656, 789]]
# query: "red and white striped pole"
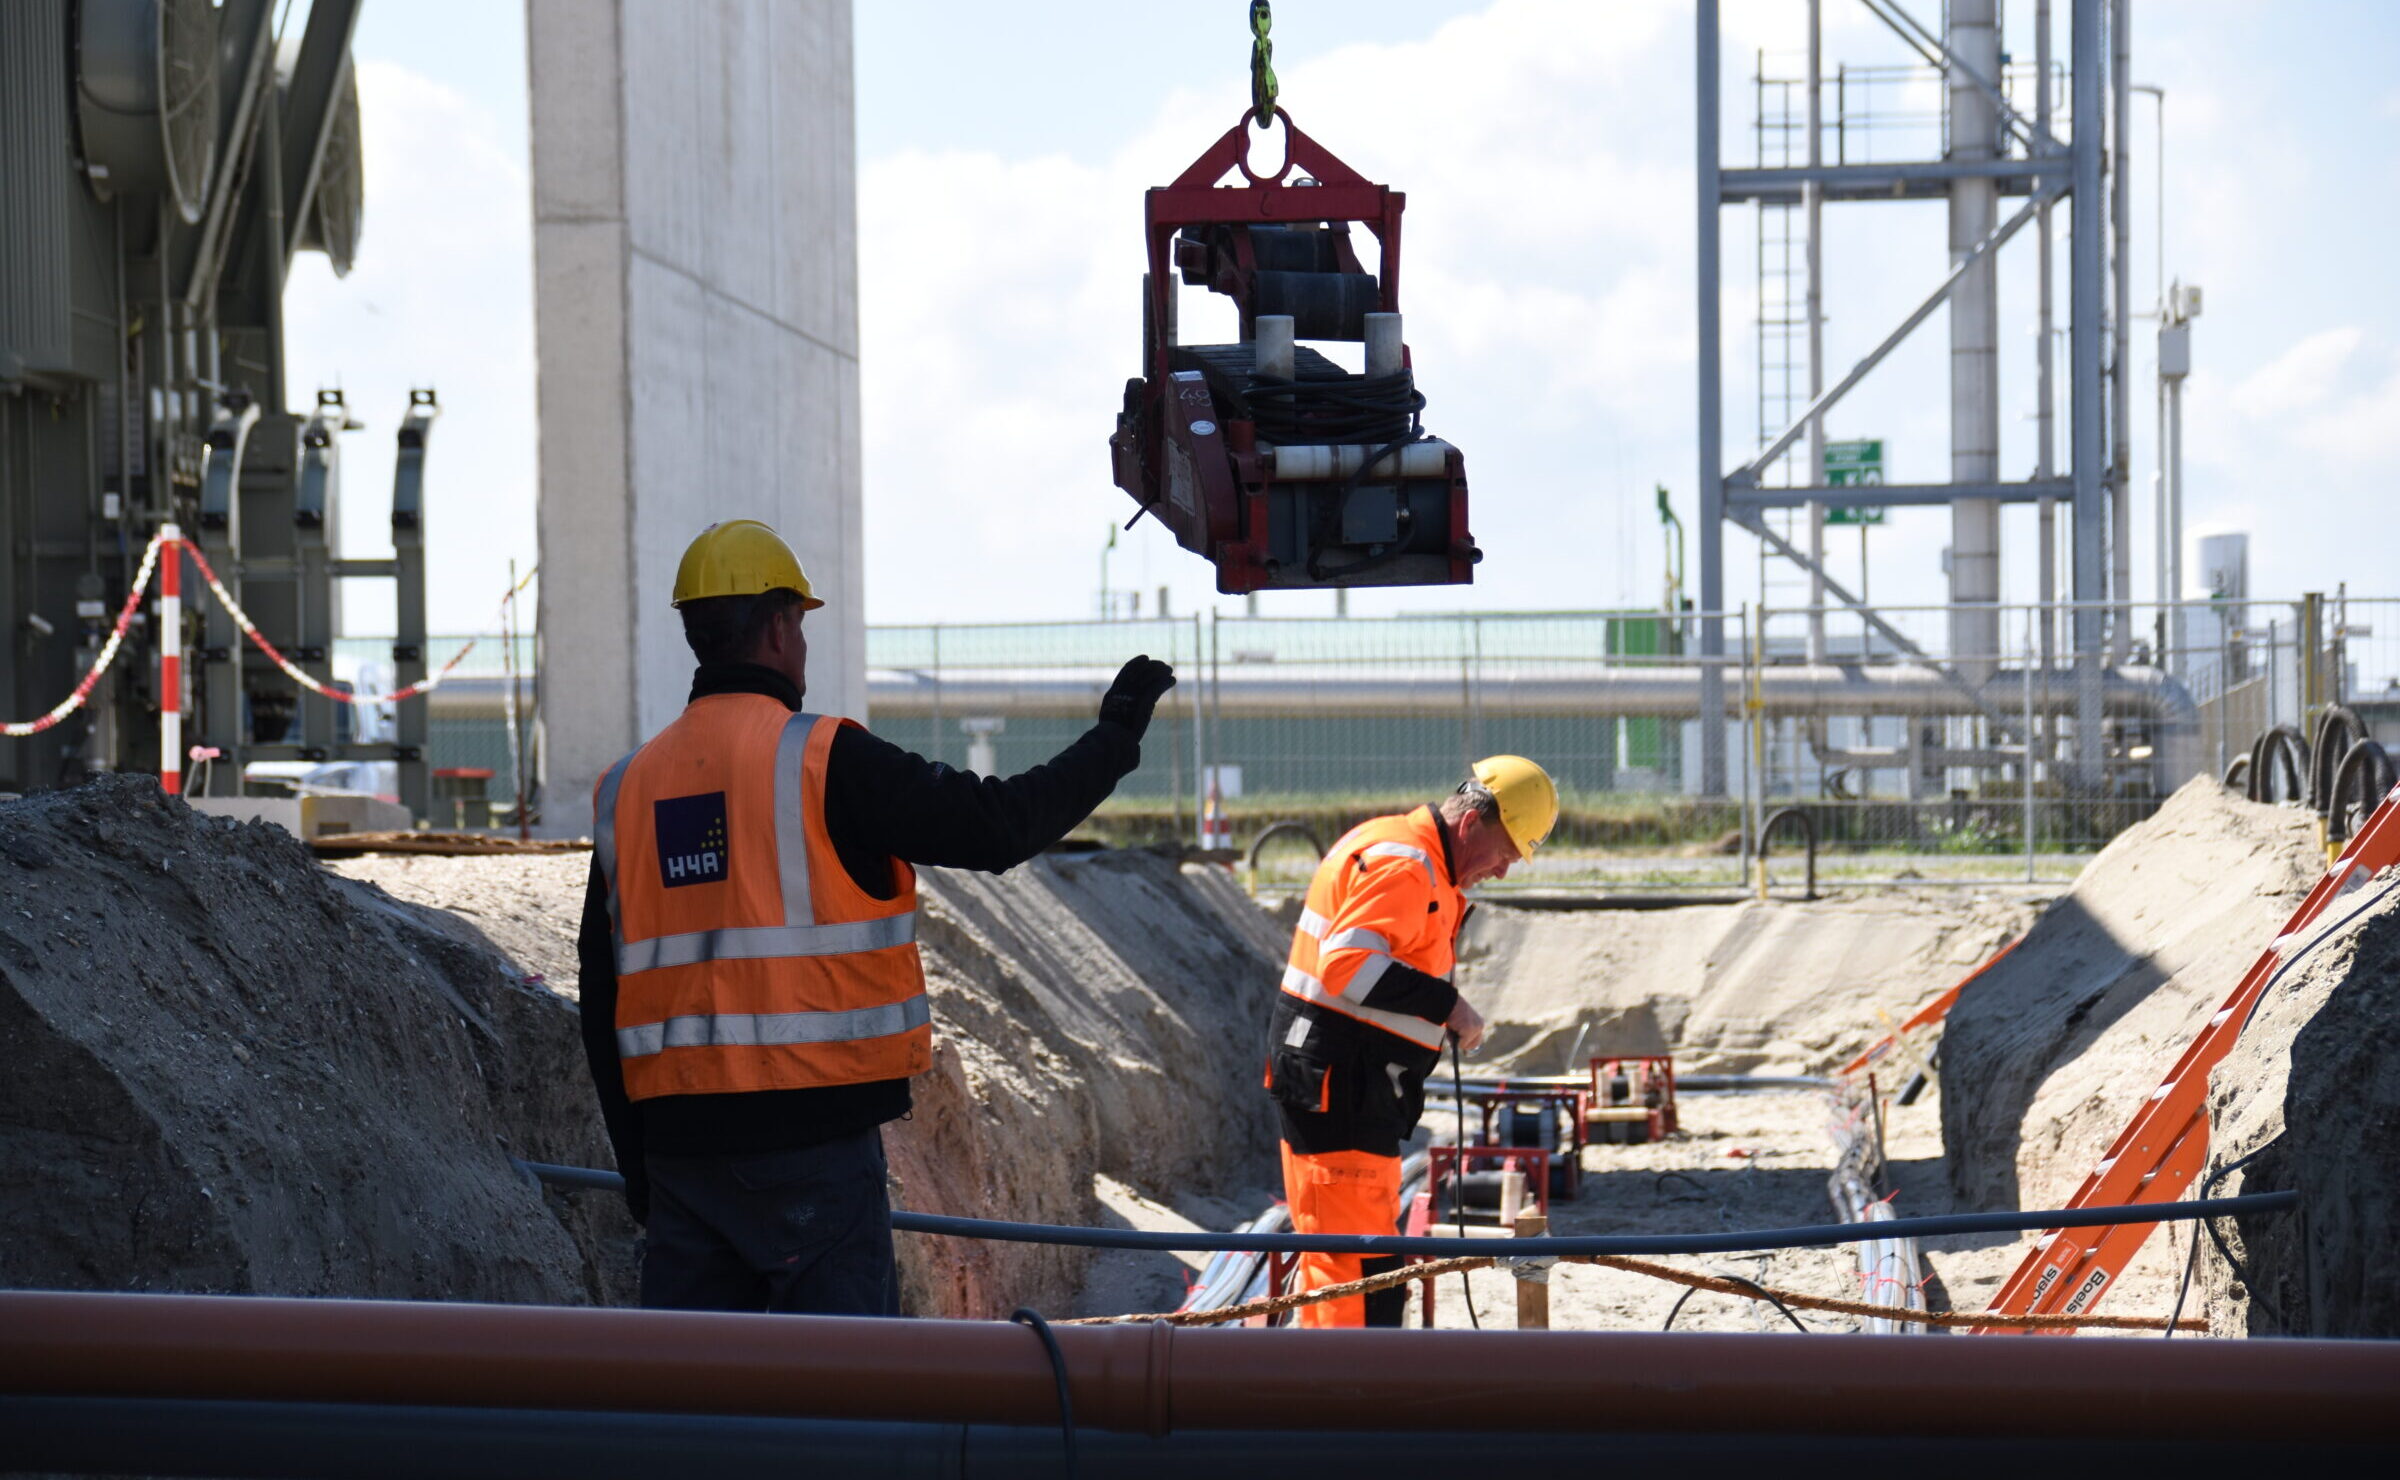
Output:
[[170, 660]]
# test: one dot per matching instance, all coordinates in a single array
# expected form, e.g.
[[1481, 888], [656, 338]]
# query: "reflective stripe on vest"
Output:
[[753, 1029], [1314, 935], [765, 942], [1415, 1029], [797, 980]]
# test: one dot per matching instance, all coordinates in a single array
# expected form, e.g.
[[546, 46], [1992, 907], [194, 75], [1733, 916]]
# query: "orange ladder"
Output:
[[2165, 1145]]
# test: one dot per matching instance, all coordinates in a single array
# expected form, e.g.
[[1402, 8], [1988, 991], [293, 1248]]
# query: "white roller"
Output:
[[1277, 356], [1383, 343], [1427, 459]]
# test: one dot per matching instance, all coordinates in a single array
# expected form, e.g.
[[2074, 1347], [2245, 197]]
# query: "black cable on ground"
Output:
[[1058, 1372], [1458, 1177], [1735, 1241], [2191, 1258], [2257, 1296], [1763, 1293], [1658, 1185]]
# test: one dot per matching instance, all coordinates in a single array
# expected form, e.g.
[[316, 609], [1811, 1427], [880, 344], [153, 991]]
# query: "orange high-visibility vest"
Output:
[[747, 957], [1383, 894]]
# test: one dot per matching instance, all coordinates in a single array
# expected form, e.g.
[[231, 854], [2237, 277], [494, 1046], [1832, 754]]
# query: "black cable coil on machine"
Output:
[[1366, 408]]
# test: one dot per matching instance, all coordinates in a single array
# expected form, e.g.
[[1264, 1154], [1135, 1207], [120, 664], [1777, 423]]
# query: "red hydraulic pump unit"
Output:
[[1285, 470]]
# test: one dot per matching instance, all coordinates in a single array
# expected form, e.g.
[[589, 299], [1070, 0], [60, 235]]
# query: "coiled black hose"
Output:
[[1364, 408], [2364, 777], [2338, 731], [2282, 754]]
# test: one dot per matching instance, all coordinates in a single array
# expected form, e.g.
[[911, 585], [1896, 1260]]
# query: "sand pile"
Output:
[[1771, 988], [1096, 1019], [232, 1071], [2313, 1087], [2046, 1055]]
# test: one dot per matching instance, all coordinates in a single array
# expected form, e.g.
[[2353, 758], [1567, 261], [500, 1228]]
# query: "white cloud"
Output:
[[441, 295], [2302, 378], [1545, 274]]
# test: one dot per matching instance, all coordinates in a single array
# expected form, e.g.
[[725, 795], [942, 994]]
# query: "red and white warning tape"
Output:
[[108, 650], [169, 540], [293, 671]]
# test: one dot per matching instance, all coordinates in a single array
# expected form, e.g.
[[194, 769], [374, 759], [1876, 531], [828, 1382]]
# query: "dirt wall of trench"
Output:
[[2046, 1055], [234, 1069]]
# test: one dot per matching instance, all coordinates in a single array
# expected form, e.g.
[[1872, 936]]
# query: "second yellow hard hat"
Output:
[[1528, 799], [740, 557]]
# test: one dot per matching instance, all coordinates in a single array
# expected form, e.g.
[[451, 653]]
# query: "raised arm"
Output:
[[892, 803]]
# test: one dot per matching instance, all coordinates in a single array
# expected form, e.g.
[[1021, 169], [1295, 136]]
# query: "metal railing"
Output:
[[2011, 763]]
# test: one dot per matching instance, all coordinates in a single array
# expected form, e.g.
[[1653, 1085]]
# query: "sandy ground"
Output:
[[1771, 988], [530, 906], [1753, 1160], [1760, 1161]]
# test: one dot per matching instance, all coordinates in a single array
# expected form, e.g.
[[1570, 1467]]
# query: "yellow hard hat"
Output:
[[740, 557], [1528, 799]]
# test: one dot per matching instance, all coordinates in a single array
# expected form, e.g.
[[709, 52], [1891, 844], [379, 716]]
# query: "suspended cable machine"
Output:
[[1284, 469]]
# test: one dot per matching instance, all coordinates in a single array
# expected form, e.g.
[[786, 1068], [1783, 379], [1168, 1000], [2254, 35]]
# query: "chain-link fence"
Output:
[[1323, 721], [1921, 745]]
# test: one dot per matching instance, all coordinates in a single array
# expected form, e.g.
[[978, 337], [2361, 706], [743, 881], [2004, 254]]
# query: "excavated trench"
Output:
[[243, 1071]]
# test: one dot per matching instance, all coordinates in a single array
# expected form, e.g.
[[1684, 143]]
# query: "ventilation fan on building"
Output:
[[146, 93], [333, 216]]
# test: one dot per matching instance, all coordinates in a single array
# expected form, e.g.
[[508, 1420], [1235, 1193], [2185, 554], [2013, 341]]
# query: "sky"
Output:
[[1547, 149]]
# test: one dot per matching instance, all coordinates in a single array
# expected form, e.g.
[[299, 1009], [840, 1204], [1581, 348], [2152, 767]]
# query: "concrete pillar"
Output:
[[1974, 348], [696, 316]]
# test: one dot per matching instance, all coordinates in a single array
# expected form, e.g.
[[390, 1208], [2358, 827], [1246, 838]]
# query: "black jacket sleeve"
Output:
[[1419, 994], [882, 802], [596, 960]]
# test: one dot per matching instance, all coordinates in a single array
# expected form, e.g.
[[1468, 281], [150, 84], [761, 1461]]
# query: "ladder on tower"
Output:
[[1782, 321], [2164, 1147]]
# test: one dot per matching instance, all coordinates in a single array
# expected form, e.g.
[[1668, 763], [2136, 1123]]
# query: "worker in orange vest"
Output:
[[1366, 1007], [752, 1000]]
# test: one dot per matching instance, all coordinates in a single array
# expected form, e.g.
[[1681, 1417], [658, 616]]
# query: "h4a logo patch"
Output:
[[691, 840]]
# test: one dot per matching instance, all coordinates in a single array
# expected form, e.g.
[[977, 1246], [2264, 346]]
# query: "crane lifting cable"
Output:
[[1284, 469]]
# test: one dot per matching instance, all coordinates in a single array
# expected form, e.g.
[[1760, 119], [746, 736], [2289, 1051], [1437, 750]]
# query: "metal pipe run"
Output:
[[330, 1441], [1671, 690], [1158, 1380], [1793, 690]]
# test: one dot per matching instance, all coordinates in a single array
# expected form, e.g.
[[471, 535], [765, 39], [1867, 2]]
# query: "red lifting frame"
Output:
[[2156, 1156], [1338, 193]]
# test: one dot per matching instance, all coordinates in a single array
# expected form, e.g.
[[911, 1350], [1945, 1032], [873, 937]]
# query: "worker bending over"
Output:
[[1365, 1008], [753, 1003]]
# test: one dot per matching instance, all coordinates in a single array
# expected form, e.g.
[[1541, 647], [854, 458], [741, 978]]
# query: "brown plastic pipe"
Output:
[[1153, 1379]]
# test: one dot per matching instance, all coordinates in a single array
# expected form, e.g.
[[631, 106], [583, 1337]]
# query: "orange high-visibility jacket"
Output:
[[747, 957], [1382, 895]]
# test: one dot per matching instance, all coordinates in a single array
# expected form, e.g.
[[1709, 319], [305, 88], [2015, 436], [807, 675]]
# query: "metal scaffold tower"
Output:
[[1997, 148]]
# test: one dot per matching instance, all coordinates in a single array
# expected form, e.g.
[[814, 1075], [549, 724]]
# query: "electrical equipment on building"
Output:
[[161, 164], [1283, 468]]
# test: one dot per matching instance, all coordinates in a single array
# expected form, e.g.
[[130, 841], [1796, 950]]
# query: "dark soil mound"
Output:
[[230, 1070], [2313, 1087]]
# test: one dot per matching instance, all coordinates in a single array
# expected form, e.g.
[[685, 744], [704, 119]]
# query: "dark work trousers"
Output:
[[801, 1232]]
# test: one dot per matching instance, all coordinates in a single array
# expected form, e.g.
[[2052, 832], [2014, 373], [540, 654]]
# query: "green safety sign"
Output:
[[1853, 465]]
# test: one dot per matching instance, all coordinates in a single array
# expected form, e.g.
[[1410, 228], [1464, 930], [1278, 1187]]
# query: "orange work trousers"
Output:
[[1338, 1192]]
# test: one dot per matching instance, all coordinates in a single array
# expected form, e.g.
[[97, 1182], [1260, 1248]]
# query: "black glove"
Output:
[[637, 1195], [1130, 699]]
